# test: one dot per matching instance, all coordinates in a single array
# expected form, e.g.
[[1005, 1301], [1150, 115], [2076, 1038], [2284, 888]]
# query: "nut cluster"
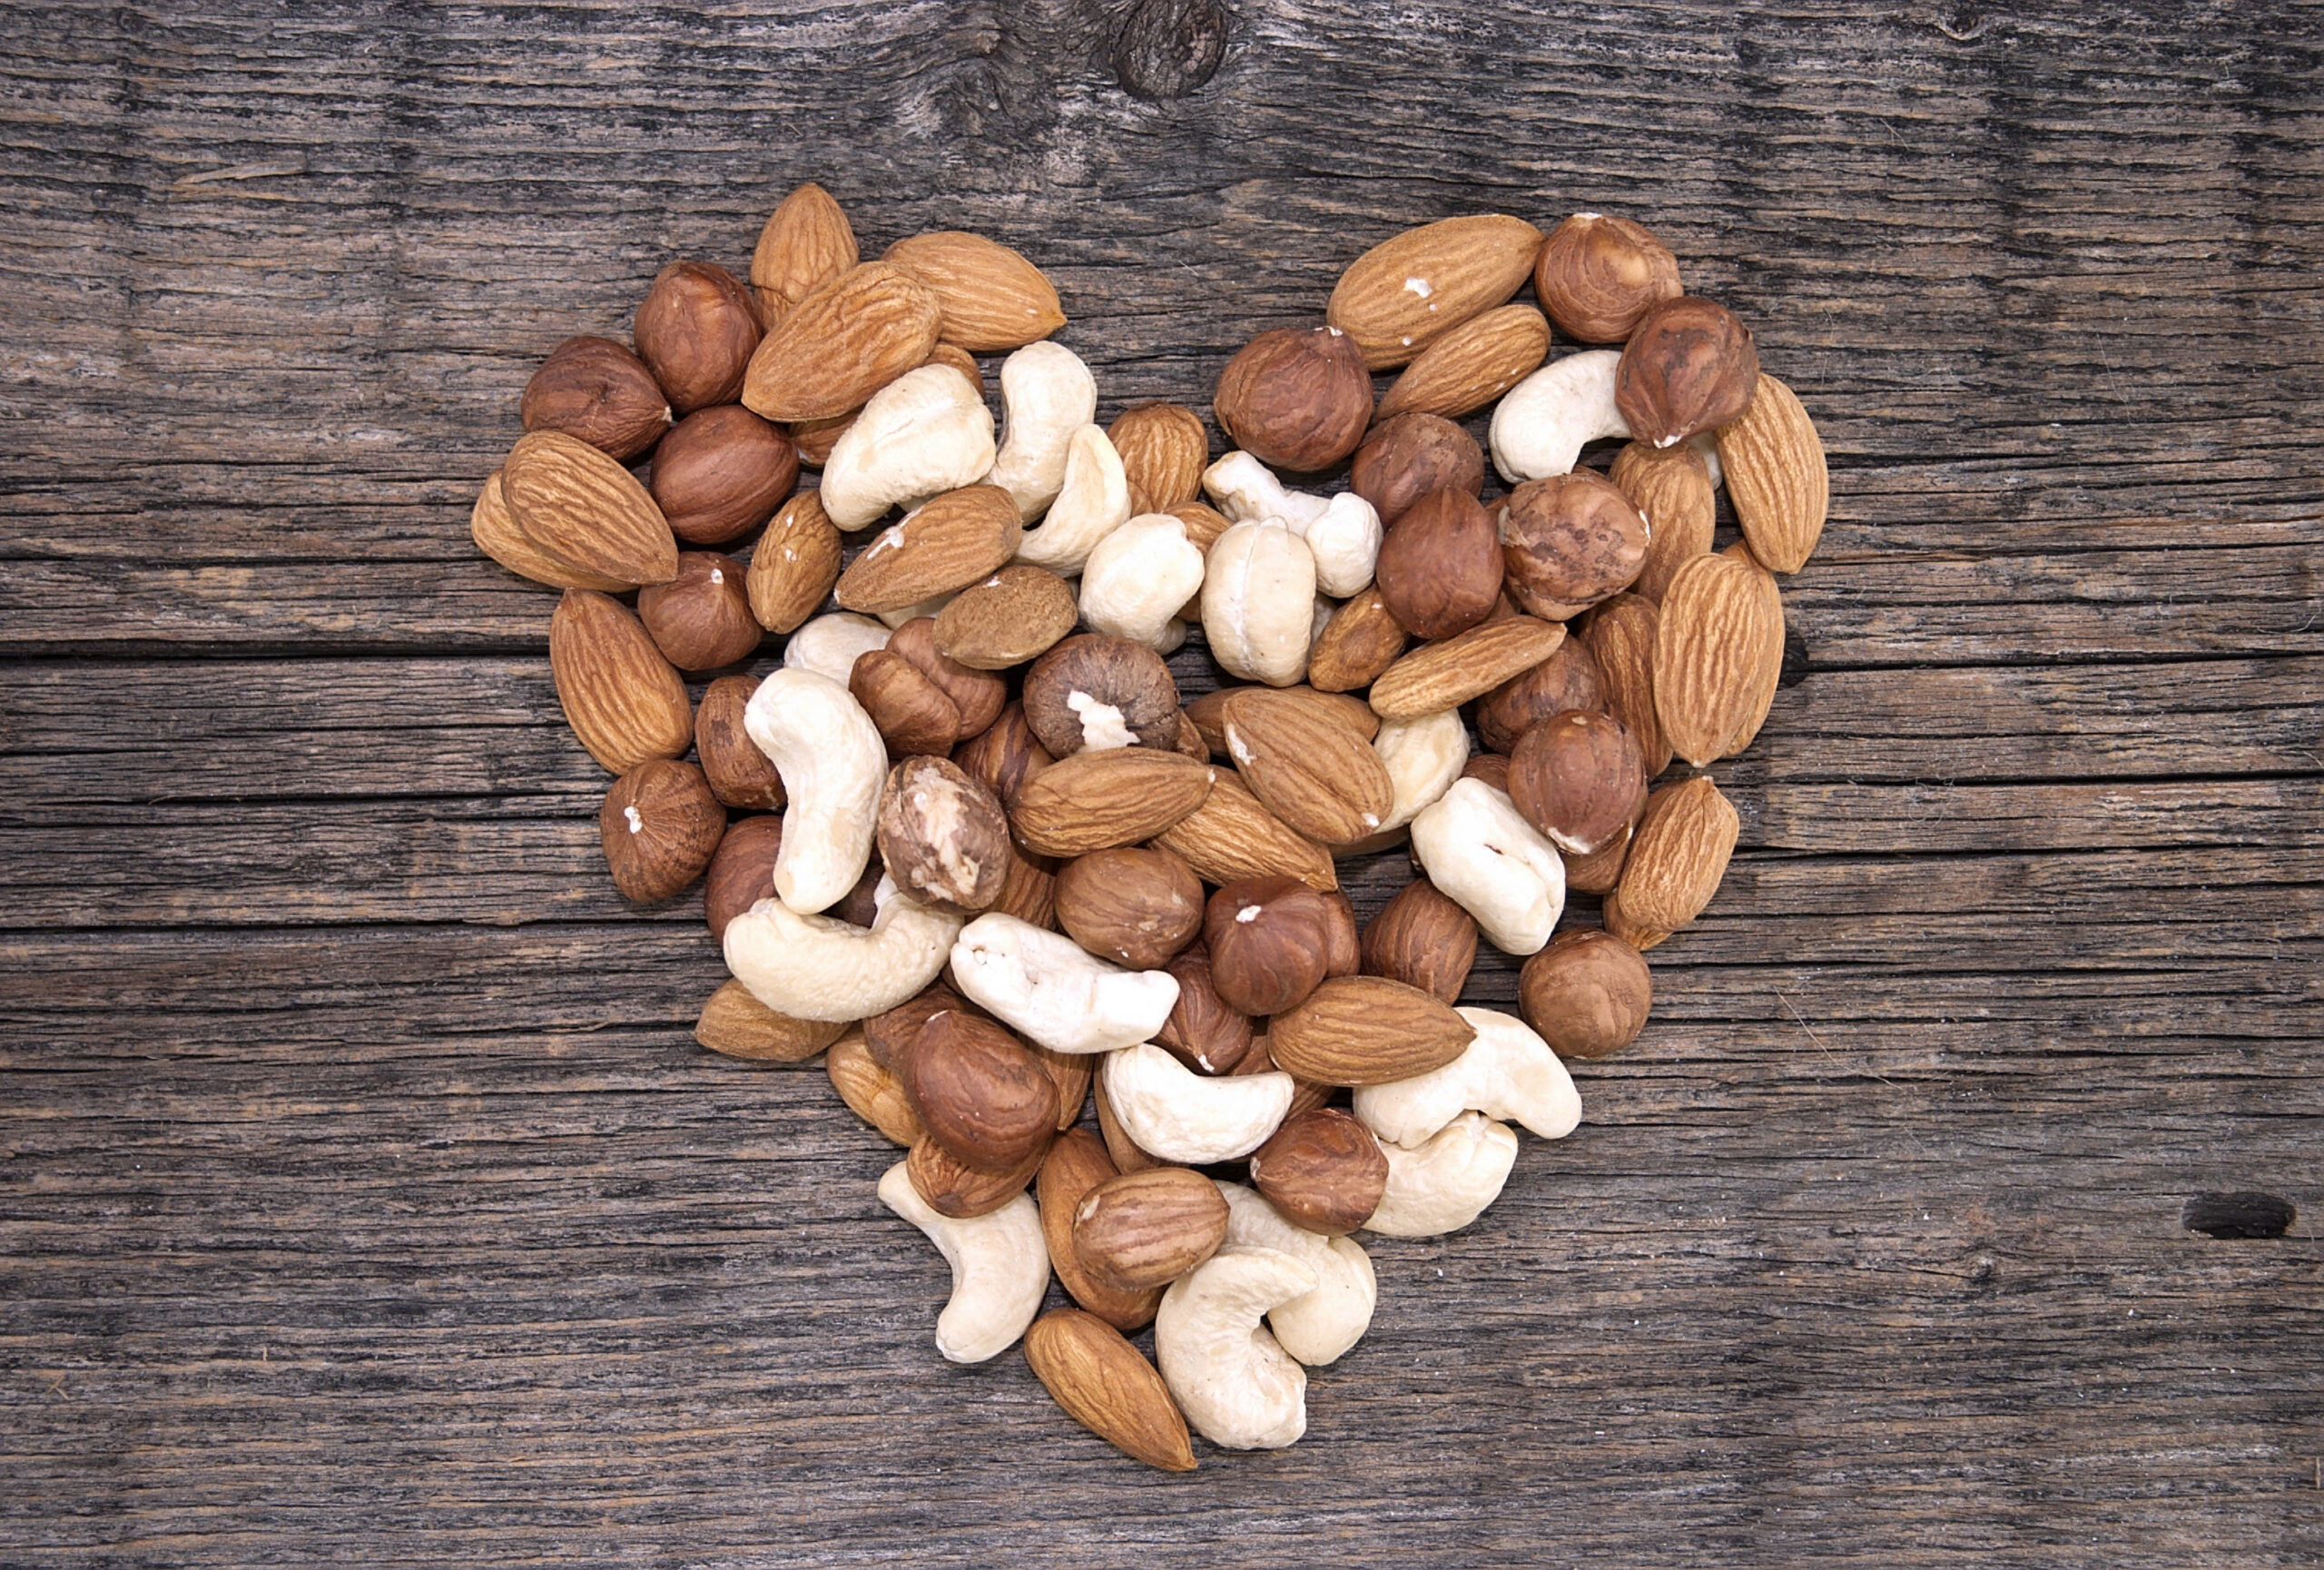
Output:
[[990, 862]]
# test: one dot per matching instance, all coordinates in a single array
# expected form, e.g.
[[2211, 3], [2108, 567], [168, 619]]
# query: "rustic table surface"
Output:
[[363, 1197]]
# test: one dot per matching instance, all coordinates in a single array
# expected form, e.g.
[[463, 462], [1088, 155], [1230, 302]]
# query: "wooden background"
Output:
[[362, 1197]]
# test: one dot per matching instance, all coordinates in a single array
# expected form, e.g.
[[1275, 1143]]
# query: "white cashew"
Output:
[[1235, 1385], [1706, 443], [1138, 577], [822, 968], [1424, 756], [1093, 502], [831, 645], [1506, 1073], [1055, 991], [1321, 619], [833, 764], [902, 614], [1047, 394], [1247, 491], [1174, 1114], [1345, 543], [1001, 1268], [926, 432], [1476, 847], [1447, 1182], [1258, 603], [1320, 1326], [1543, 423]]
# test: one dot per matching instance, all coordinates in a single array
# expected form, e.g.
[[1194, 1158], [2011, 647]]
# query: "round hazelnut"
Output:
[[742, 870], [696, 330], [1587, 993], [660, 825], [740, 774], [980, 1094], [1343, 954], [978, 694], [720, 473], [1203, 1030], [1409, 456], [912, 714], [942, 836], [1295, 399], [860, 906], [594, 388], [1424, 939], [1567, 679], [1148, 1229], [701, 619], [1580, 778], [1570, 541], [1004, 755], [1691, 365], [1100, 691], [1322, 1170], [1440, 565], [889, 1036], [1135, 907], [1492, 767], [1598, 275], [1270, 941]]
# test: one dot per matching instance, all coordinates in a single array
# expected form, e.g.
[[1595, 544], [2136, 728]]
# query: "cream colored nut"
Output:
[[1445, 1184], [1247, 491], [1094, 502], [896, 618], [1258, 603], [1046, 395], [1319, 1327], [1345, 543], [1174, 1114], [1001, 1268], [1173, 638], [1056, 991], [822, 968], [1232, 1379], [1706, 443], [830, 646], [1543, 425], [1481, 852], [833, 764], [924, 433], [1507, 1072], [1424, 756], [1321, 619], [1138, 577]]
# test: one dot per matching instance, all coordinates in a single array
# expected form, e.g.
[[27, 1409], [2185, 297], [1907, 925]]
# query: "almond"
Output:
[[1148, 1229], [1768, 672], [1441, 676], [945, 544], [1308, 768], [1405, 293], [1366, 1031], [1231, 837], [583, 508], [1119, 1147], [1620, 636], [622, 698], [1105, 1385], [840, 344], [1471, 365], [794, 565], [871, 1091], [493, 529], [991, 298], [1360, 641], [1094, 801], [1077, 1163], [739, 1026], [805, 244], [1014, 616], [1671, 487], [1711, 642], [1773, 463], [1677, 858], [1164, 450]]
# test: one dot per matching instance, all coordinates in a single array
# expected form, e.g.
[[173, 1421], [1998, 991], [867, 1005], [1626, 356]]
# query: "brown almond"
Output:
[[740, 1026], [1471, 365], [815, 438], [1715, 628], [740, 774], [1769, 670], [1620, 636], [1773, 463], [1360, 641], [1441, 676], [1203, 523], [945, 544], [1322, 1170], [582, 508], [1016, 614], [1230, 836], [889, 1036], [1422, 938], [871, 1091], [1671, 487], [1005, 754], [1028, 891], [493, 529], [1314, 773], [794, 565], [1108, 1387], [1148, 1229], [1411, 289], [1076, 1164], [1072, 1073], [1366, 1031], [1164, 450], [805, 244], [622, 698], [991, 297], [1679, 855], [1094, 801], [843, 342]]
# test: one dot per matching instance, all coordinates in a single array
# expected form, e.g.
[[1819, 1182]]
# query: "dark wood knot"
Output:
[[1169, 48], [2245, 1214]]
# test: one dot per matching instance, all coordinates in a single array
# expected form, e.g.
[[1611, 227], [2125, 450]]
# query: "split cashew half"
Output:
[[1174, 1114], [1507, 1072], [1481, 852], [1235, 1384], [1343, 532], [1321, 1326], [822, 968], [1258, 603], [1093, 502], [1055, 991], [1138, 577], [1001, 1268], [924, 433], [1424, 756], [831, 645], [833, 762], [1247, 491], [1543, 425], [1046, 395], [1447, 1182]]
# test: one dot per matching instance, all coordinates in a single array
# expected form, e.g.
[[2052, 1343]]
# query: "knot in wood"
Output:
[[1168, 48]]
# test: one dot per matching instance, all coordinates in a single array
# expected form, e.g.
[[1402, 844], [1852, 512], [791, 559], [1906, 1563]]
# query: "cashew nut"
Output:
[[1345, 541], [1001, 1268], [831, 645], [1138, 577], [926, 432], [1046, 394], [822, 968], [1235, 1383], [1706, 443], [1424, 756], [1258, 603], [1174, 1114], [833, 764], [1506, 1073], [1093, 502], [1446, 1183], [1543, 423], [1320, 1326], [1056, 991], [1247, 491], [1490, 861]]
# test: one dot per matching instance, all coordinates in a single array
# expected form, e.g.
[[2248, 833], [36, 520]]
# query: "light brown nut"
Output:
[[720, 473], [979, 1093], [742, 870], [1207, 713], [493, 529], [1678, 856], [1366, 1031], [1570, 541], [1619, 636], [945, 544], [1108, 1386], [1004, 755], [1134, 906], [805, 244], [1204, 1031], [1004, 620], [1308, 766], [1077, 1163], [1410, 456], [1771, 665], [659, 826], [1269, 941], [1230, 836], [1471, 365], [793, 565], [1440, 565], [1344, 945], [1773, 462], [889, 1037], [585, 510], [978, 694], [1295, 399], [1094, 801], [816, 438], [962, 361], [1164, 450], [1587, 994], [594, 389], [1424, 939], [1361, 640], [871, 1091], [912, 712], [1190, 739], [1600, 871], [1093, 691], [1597, 276], [1322, 1170], [1148, 1229], [1673, 488], [1203, 523], [701, 619], [1442, 676], [1028, 892], [1580, 778], [1307, 1095], [846, 340], [1414, 288], [1568, 679], [1119, 1147], [942, 835], [991, 298], [622, 698], [1716, 628], [695, 331], [1071, 1072], [1689, 365], [738, 1025], [954, 1188], [1492, 767]]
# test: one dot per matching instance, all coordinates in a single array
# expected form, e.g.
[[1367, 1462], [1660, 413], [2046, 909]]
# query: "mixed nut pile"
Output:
[[988, 865]]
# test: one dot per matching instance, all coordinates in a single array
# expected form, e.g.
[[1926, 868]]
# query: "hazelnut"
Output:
[[1406, 458], [1492, 767], [1322, 1170], [980, 1092], [1570, 541], [696, 330], [740, 774], [1599, 872], [1361, 640], [1598, 275], [1204, 523], [742, 870], [1343, 954], [955, 1188], [1295, 399], [1203, 1029], [1567, 679], [1164, 450], [1580, 778], [1146, 1229], [1691, 365], [1440, 565], [1424, 939], [1135, 907], [660, 825], [942, 836], [978, 694], [1587, 993], [1097, 691], [860, 906], [720, 473], [1269, 941], [1004, 755], [594, 388], [889, 1037], [701, 619], [911, 712]]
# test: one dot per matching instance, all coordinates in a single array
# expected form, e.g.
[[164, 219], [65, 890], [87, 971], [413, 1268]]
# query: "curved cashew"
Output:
[[831, 645], [1506, 1073], [1424, 756], [822, 968], [1447, 1182], [1056, 991], [1320, 1326], [1545, 420], [1258, 603], [1247, 491], [1047, 395], [1345, 541], [833, 764], [1001, 1268], [1138, 577], [1174, 1114], [1093, 502], [925, 432], [1474, 845], [1235, 1385]]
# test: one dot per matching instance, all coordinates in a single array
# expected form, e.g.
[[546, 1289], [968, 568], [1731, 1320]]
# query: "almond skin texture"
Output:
[[991, 298], [1714, 631], [1471, 365], [1362, 639], [1568, 678], [979, 1091], [1671, 486], [1135, 907], [1424, 939], [1587, 994], [696, 330], [1016, 614], [1269, 941], [1105, 1385], [1689, 365], [1322, 1170], [659, 826], [1308, 768], [871, 1093], [1678, 856], [738, 1025], [1230, 836], [1207, 1033], [1409, 291], [1407, 457], [1164, 450], [741, 871], [1366, 1031], [1295, 399], [806, 244], [493, 529], [1442, 676], [582, 508], [945, 544], [1769, 674], [1148, 1229], [1440, 565], [596, 390], [1077, 1163], [1094, 801], [622, 698], [701, 619], [941, 836], [1773, 462], [1598, 276], [1570, 541], [1620, 636], [1579, 777], [720, 473], [794, 565], [843, 342]]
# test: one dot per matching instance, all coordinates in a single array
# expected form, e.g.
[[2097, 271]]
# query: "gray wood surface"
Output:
[[363, 1197]]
